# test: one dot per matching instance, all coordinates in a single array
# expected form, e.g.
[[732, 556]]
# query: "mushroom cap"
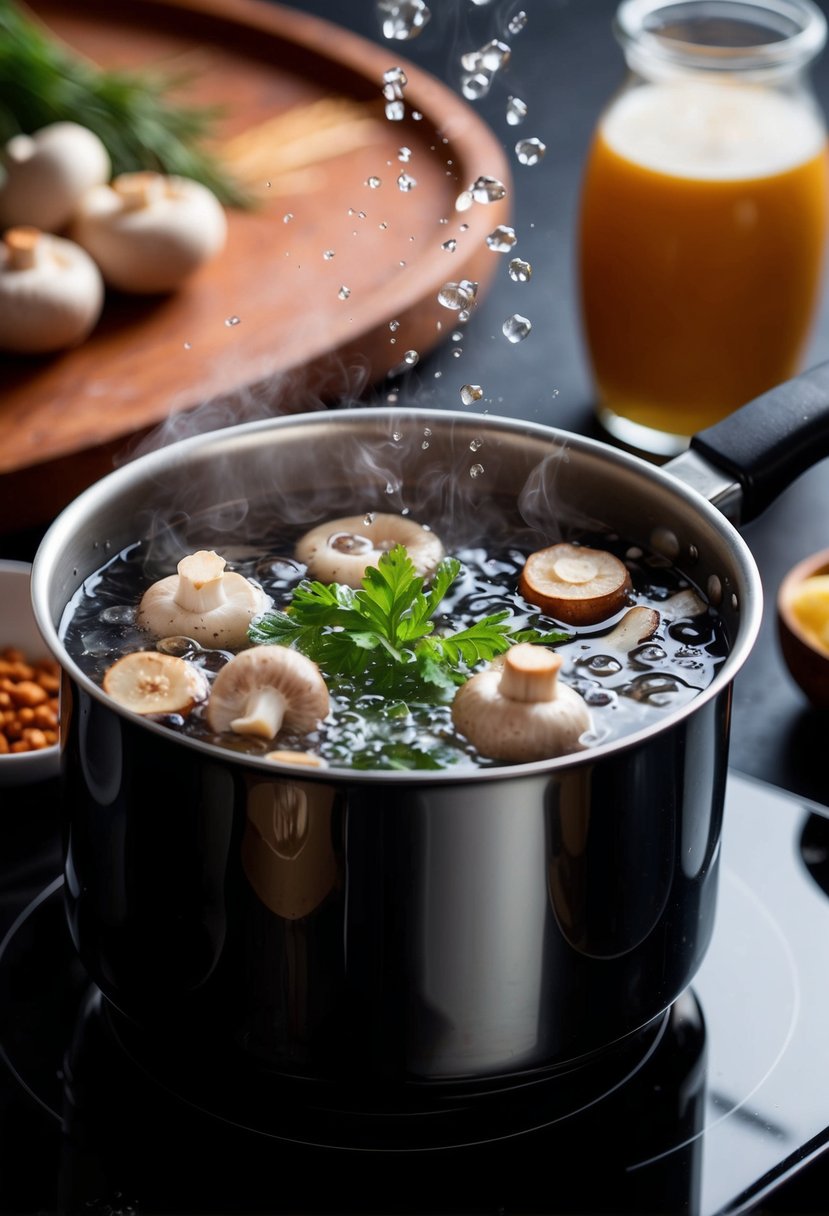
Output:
[[575, 584], [46, 174], [520, 730], [222, 625], [339, 550], [294, 677], [53, 301], [151, 683], [148, 233]]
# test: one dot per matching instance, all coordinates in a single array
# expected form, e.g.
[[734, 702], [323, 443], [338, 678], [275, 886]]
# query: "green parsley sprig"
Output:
[[384, 633]]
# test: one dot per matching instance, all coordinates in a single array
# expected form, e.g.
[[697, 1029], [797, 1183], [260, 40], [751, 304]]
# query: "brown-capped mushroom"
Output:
[[574, 584], [203, 601], [261, 690], [521, 711], [151, 683], [340, 550]]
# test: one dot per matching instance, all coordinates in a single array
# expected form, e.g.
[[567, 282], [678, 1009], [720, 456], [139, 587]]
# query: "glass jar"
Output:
[[703, 214]]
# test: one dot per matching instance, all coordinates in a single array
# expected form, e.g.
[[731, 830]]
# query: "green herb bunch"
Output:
[[43, 81], [383, 635]]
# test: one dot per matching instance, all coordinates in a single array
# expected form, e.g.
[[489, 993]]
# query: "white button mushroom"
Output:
[[151, 683], [51, 292], [340, 550], [521, 711], [45, 175], [147, 232], [203, 601], [261, 690]]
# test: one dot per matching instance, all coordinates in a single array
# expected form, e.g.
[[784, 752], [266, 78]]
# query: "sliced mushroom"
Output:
[[265, 689], [574, 584], [203, 601], [305, 759], [151, 683], [521, 711], [683, 604], [636, 626], [340, 550]]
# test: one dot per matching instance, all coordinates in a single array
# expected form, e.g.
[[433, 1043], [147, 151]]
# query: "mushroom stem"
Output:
[[201, 581], [21, 244], [137, 190], [264, 712], [530, 673]]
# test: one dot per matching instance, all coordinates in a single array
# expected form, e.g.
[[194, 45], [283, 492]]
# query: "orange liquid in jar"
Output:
[[701, 249]]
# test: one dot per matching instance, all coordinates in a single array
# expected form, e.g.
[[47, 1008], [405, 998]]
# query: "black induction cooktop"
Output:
[[707, 1111]]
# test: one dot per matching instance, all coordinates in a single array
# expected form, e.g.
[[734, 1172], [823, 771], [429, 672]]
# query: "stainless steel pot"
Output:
[[450, 928]]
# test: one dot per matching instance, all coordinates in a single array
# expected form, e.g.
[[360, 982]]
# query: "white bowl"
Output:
[[18, 629]]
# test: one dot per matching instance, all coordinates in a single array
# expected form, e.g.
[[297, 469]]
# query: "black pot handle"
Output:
[[768, 443]]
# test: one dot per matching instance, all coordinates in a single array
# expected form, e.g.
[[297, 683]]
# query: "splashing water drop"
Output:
[[231, 321], [395, 111], [475, 445], [517, 23], [494, 55], [487, 190], [501, 239], [369, 518], [425, 445], [475, 85], [328, 255], [373, 183], [457, 336], [405, 155], [530, 151], [516, 111], [464, 201], [454, 296], [397, 436], [520, 271], [470, 393], [383, 225], [287, 217], [411, 357], [396, 78], [394, 326], [406, 182], [450, 246], [417, 116], [344, 293], [476, 470], [402, 19], [188, 345], [457, 352], [516, 328]]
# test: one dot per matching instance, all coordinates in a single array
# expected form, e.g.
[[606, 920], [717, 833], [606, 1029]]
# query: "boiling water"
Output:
[[367, 731]]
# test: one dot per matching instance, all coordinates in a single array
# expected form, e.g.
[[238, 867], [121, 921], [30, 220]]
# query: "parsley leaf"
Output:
[[385, 634]]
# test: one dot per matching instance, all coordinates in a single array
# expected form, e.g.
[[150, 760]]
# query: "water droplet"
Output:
[[347, 542], [383, 225], [501, 239], [397, 436], [600, 664], [425, 445], [395, 111], [487, 190], [328, 255], [188, 345], [454, 296], [405, 155], [517, 23], [402, 19], [394, 326], [450, 246], [373, 183], [427, 430], [475, 85], [520, 271], [396, 77], [647, 655], [490, 58], [179, 646], [411, 357], [369, 518], [464, 200], [344, 293], [475, 444], [516, 328], [457, 352], [417, 116], [287, 217], [406, 182], [476, 470], [470, 393], [530, 151], [231, 321]]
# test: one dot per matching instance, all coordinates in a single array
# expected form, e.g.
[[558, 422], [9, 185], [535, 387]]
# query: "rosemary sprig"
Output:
[[43, 81]]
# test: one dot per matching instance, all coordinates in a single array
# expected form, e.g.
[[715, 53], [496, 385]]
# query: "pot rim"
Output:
[[160, 460]]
